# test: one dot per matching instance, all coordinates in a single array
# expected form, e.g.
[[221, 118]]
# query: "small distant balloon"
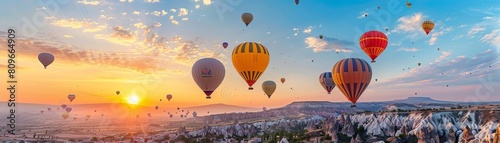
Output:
[[68, 109], [156, 107], [64, 106], [169, 96], [225, 44], [297, 2], [46, 59], [117, 92], [320, 36], [71, 97]]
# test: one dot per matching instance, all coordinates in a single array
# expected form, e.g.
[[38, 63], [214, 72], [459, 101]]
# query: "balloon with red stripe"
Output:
[[373, 43], [352, 76]]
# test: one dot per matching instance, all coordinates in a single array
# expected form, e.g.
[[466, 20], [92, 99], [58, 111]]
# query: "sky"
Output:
[[147, 48]]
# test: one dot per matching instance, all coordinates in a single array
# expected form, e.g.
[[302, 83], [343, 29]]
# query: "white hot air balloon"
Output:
[[208, 74], [46, 59]]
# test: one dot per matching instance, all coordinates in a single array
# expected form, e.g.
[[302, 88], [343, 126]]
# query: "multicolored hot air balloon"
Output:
[[373, 43], [208, 74], [68, 109], [297, 2], [169, 96], [71, 97], [352, 76], [282, 80], [269, 87], [46, 59], [326, 81], [246, 18], [250, 59], [225, 44], [427, 26], [65, 115]]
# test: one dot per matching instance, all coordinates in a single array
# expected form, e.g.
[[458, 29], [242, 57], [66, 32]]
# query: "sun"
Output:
[[133, 99]]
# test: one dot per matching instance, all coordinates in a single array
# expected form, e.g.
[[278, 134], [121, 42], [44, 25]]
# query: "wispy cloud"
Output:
[[458, 71], [86, 25], [207, 2], [119, 35], [151, 1], [308, 30], [89, 2], [182, 12], [408, 49], [328, 44], [159, 13], [67, 36], [411, 23]]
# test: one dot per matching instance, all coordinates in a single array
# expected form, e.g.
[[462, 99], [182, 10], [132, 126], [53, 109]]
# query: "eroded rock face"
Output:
[[428, 135], [496, 138], [450, 136], [467, 135]]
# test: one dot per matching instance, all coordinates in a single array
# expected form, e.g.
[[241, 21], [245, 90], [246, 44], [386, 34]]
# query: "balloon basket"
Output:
[[250, 88], [373, 61], [353, 106]]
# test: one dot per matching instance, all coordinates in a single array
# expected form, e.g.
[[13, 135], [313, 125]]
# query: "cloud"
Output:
[[151, 1], [434, 37], [410, 23], [453, 72], [185, 19], [408, 49], [136, 12], [363, 15], [89, 2], [474, 30], [67, 36], [197, 6], [492, 38], [73, 55], [308, 30], [119, 35], [182, 12], [126, 1], [86, 25], [171, 18], [207, 2], [159, 13], [173, 10], [444, 55], [328, 44], [42, 8]]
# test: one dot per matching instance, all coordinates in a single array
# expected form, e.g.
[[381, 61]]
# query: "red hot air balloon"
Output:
[[225, 44], [352, 76], [373, 43], [169, 96]]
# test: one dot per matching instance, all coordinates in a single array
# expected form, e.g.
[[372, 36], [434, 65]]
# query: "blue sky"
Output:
[[168, 36]]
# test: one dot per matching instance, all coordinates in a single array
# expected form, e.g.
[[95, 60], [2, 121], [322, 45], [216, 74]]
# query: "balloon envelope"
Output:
[[373, 43], [71, 97], [208, 74], [64, 106], [225, 44], [326, 81], [68, 109], [169, 96], [247, 18], [282, 80], [269, 87], [427, 26], [46, 59], [65, 115], [250, 59], [352, 76], [117, 92]]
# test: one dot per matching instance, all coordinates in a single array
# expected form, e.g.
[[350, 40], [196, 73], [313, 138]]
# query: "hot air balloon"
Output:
[[415, 93], [178, 108], [171, 115], [195, 114], [296, 2], [264, 108], [208, 112], [373, 43], [408, 4], [64, 106], [250, 59], [282, 80], [438, 49], [386, 29], [320, 36], [182, 110], [352, 76], [446, 85], [247, 18], [269, 87], [208, 74], [65, 115], [419, 64], [149, 115], [379, 7], [102, 114], [156, 107], [71, 97], [88, 116], [74, 118], [225, 44], [169, 96], [427, 26], [41, 111], [326, 81], [117, 92], [46, 59], [366, 15], [48, 109], [68, 109]]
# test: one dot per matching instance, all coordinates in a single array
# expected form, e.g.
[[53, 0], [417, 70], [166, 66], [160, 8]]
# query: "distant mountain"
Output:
[[413, 100], [220, 108]]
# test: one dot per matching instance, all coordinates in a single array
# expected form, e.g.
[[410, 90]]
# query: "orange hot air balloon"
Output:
[[373, 43], [427, 26], [352, 76]]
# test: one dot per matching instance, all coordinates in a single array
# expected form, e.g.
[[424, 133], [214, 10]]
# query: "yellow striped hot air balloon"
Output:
[[427, 26], [250, 59], [352, 76]]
